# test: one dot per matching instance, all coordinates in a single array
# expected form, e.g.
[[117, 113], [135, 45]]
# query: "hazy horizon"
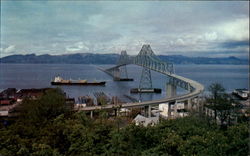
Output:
[[240, 57]]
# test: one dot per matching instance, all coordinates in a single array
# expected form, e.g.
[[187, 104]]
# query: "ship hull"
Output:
[[79, 83], [153, 90]]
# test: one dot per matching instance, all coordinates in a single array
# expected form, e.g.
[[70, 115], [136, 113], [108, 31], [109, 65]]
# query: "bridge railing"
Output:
[[166, 68], [154, 64]]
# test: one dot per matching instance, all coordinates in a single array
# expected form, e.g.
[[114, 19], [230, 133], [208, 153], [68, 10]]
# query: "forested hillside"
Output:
[[43, 130]]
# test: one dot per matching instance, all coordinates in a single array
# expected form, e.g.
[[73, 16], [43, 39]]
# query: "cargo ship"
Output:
[[60, 81]]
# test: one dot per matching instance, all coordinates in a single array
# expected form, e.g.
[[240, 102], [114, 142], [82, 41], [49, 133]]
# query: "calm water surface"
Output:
[[40, 75]]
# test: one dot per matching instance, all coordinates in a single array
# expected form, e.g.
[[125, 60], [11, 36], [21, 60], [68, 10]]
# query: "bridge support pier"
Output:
[[189, 101], [171, 90], [91, 114], [117, 112], [147, 111], [116, 73], [169, 110]]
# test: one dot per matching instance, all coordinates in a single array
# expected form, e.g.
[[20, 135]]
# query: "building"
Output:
[[142, 120], [172, 110], [9, 93], [31, 93]]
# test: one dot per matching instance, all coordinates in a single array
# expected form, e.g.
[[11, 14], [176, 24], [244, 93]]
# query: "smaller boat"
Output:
[[145, 90], [60, 81], [242, 93]]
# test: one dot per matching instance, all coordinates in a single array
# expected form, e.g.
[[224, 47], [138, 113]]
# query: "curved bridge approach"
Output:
[[149, 61]]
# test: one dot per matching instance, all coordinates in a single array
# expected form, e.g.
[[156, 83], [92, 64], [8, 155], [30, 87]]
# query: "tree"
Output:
[[76, 134], [216, 91], [47, 107], [224, 107], [238, 139], [221, 103]]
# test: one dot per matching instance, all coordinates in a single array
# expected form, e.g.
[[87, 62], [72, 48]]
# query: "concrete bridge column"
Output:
[[146, 111], [91, 114], [149, 111], [169, 110], [175, 110], [117, 73], [199, 105], [117, 112], [189, 101], [171, 90]]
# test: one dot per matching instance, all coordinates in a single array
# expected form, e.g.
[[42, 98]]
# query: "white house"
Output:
[[142, 120]]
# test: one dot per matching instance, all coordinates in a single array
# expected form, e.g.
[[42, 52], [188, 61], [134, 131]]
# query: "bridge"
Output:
[[149, 61]]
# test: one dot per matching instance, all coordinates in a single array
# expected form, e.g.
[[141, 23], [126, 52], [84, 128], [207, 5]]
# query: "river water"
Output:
[[40, 75]]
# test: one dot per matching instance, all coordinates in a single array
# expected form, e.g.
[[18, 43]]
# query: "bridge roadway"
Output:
[[198, 88]]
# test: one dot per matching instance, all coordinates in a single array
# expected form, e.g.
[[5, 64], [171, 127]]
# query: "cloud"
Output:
[[77, 47], [187, 28], [236, 29], [211, 36], [9, 49]]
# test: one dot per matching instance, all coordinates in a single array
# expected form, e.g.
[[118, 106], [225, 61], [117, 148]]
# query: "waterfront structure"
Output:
[[242, 93], [11, 98]]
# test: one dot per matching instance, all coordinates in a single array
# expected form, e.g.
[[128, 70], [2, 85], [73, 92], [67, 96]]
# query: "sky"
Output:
[[194, 28]]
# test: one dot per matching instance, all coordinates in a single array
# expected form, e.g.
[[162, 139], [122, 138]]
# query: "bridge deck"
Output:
[[198, 88]]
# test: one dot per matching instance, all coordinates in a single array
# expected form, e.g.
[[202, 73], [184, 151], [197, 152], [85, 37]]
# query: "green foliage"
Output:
[[222, 104], [239, 139], [79, 135], [76, 134], [216, 90], [43, 150], [45, 108]]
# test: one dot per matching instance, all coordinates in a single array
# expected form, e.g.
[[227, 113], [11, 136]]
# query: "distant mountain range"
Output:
[[88, 58]]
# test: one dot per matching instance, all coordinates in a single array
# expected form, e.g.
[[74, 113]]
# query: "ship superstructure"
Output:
[[60, 81]]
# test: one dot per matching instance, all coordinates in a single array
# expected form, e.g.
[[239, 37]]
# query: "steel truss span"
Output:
[[147, 59]]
